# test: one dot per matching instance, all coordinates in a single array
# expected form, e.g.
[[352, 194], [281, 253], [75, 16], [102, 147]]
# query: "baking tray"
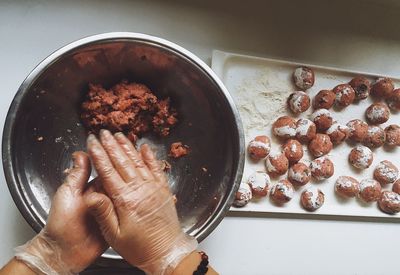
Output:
[[254, 82]]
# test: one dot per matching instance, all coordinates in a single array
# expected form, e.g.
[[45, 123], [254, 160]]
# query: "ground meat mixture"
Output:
[[178, 150], [131, 108]]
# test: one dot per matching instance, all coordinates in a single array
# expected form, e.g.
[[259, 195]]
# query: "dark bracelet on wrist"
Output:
[[203, 266]]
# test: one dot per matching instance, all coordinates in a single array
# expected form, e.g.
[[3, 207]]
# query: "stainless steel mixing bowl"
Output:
[[43, 128]]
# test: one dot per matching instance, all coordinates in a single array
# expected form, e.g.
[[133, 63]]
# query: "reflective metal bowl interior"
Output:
[[43, 127]]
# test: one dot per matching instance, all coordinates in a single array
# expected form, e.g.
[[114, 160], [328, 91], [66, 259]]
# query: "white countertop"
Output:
[[348, 34]]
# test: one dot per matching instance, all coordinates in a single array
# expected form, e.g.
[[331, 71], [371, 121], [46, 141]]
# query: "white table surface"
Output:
[[360, 35]]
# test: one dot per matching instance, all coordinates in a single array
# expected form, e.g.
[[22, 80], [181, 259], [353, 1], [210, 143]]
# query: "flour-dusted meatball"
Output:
[[358, 130], [312, 198], [389, 202], [305, 130], [361, 157], [338, 133], [347, 187], [303, 78], [298, 102], [393, 101], [259, 183], [322, 118], [393, 135], [324, 99], [361, 86], [382, 88], [243, 195], [386, 172], [320, 145], [322, 168], [370, 190], [377, 113], [277, 164], [375, 137], [299, 174], [293, 150], [396, 186], [345, 95], [259, 147], [282, 192], [284, 127]]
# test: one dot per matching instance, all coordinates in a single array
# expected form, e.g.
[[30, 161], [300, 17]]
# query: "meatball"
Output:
[[259, 183], [396, 186], [392, 133], [259, 147], [361, 86], [382, 88], [303, 78], [361, 157], [375, 137], [393, 101], [370, 190], [389, 202], [324, 99], [320, 145], [338, 133], [299, 102], [322, 119], [293, 150], [243, 195], [322, 168], [299, 174], [284, 127], [377, 113], [344, 95], [347, 187], [282, 192], [277, 164], [312, 198], [305, 130], [386, 172], [358, 130]]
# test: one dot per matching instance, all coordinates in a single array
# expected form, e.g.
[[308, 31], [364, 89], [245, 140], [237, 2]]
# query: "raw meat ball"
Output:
[[299, 102], [243, 195], [375, 137], [259, 147], [396, 186], [322, 119], [338, 133], [322, 168], [386, 172], [259, 183], [358, 130], [345, 95], [299, 174], [320, 145], [312, 199], [277, 164], [377, 113], [361, 157], [382, 88], [347, 187], [293, 150], [370, 190], [389, 202], [394, 100], [282, 192], [324, 99], [305, 130], [303, 78], [361, 86], [393, 135], [284, 127]]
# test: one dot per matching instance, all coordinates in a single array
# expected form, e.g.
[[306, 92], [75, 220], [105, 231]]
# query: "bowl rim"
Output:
[[18, 192]]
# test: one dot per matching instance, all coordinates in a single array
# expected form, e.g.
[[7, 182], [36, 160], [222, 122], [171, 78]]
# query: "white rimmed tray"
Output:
[[253, 82]]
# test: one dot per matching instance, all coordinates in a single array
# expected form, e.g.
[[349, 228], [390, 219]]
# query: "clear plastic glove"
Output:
[[71, 240], [137, 215]]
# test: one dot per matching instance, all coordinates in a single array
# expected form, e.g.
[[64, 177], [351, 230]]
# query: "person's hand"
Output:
[[137, 214], [71, 240]]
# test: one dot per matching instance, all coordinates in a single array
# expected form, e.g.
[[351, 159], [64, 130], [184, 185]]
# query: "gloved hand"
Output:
[[137, 215], [71, 240]]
